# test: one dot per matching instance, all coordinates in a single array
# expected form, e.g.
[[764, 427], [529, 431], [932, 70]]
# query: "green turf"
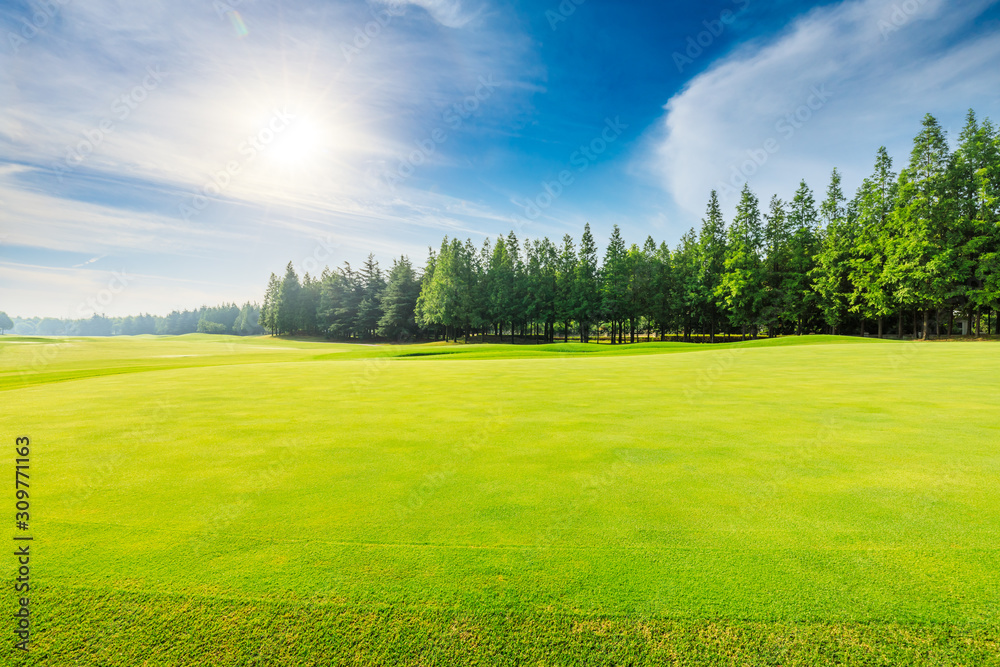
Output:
[[211, 500]]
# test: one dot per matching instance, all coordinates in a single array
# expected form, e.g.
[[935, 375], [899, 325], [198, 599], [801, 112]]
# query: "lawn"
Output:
[[215, 500]]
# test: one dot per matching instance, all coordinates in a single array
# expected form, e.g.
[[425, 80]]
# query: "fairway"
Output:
[[217, 500]]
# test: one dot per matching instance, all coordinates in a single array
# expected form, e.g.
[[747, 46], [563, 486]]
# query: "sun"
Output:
[[299, 145]]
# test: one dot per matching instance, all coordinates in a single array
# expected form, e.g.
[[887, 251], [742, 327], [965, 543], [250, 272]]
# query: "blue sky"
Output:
[[162, 155]]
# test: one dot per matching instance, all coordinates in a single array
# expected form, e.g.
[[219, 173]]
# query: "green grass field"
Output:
[[223, 501]]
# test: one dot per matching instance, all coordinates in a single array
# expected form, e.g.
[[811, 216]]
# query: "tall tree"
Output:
[[777, 265], [614, 283], [371, 286], [289, 303], [742, 285], [831, 276], [269, 311], [803, 221], [586, 287], [688, 297], [399, 301], [922, 264], [712, 254], [565, 285], [500, 288], [872, 296]]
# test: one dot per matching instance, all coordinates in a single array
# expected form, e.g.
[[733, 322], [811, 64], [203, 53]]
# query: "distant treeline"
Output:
[[224, 319], [917, 248]]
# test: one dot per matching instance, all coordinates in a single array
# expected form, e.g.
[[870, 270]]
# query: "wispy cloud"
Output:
[[114, 119], [89, 261], [795, 105], [450, 13]]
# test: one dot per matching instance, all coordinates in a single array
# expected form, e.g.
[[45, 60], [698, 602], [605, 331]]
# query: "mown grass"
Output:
[[282, 502]]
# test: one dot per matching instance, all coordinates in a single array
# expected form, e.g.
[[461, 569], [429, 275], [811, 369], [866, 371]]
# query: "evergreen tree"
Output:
[[500, 288], [565, 302], [614, 284], [586, 286], [831, 276], [663, 297], [399, 302], [777, 265], [803, 222], [976, 180], [712, 252], [269, 311], [872, 296], [371, 285], [688, 297], [5, 322], [921, 264], [289, 303], [309, 299], [742, 283]]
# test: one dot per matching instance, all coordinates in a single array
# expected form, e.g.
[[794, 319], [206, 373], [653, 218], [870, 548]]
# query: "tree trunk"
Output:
[[862, 327], [951, 322], [880, 326], [916, 314], [927, 324], [899, 325]]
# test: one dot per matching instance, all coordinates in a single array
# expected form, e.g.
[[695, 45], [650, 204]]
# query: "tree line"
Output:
[[224, 319], [906, 255]]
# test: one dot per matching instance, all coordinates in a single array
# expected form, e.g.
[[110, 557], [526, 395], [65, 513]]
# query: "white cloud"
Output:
[[449, 13], [838, 83], [358, 113]]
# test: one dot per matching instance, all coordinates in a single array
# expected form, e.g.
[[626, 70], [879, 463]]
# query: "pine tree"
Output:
[[586, 286], [663, 297], [614, 283], [289, 304], [803, 222], [777, 264], [269, 311], [742, 283], [687, 281], [399, 301], [500, 288], [712, 251], [831, 279], [371, 286], [872, 296], [975, 181], [922, 266], [565, 285]]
